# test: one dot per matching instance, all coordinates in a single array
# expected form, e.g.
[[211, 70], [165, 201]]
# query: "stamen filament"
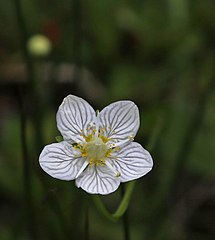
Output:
[[121, 143], [82, 168], [117, 174], [97, 123]]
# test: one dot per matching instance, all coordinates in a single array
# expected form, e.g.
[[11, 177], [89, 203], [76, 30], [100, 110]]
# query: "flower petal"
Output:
[[120, 120], [60, 161], [73, 117], [132, 161], [98, 180]]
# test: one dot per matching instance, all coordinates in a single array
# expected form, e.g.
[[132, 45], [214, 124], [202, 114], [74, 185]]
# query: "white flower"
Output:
[[98, 149]]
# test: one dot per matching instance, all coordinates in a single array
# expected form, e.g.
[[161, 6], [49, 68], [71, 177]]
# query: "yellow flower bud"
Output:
[[39, 45]]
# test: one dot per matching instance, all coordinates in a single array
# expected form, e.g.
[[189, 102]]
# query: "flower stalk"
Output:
[[129, 187]]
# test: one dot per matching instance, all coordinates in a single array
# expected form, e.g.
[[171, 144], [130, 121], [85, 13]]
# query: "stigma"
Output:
[[96, 151]]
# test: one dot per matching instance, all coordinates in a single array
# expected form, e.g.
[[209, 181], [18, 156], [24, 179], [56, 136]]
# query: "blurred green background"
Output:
[[159, 54]]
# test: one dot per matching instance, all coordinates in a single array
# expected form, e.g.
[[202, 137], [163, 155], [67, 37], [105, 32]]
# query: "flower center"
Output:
[[96, 151]]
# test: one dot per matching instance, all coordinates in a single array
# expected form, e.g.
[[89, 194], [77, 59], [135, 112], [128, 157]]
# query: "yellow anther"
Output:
[[131, 138], [76, 147], [112, 145], [99, 162], [104, 139], [117, 149], [91, 162], [102, 129], [84, 154], [109, 151], [118, 174], [88, 138]]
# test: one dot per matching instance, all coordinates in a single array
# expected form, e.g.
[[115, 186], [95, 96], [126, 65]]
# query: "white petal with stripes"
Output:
[[60, 161], [132, 161], [98, 180], [120, 120], [73, 117]]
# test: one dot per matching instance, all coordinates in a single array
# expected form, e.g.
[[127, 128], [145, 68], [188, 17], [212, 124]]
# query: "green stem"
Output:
[[34, 97], [30, 219], [77, 30], [26, 161], [86, 224], [178, 11], [122, 206], [193, 128], [125, 200], [125, 221], [24, 39], [163, 212]]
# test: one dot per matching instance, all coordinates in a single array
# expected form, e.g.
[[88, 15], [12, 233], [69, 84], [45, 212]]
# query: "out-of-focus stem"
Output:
[[34, 97], [76, 7], [26, 161], [191, 134], [24, 38], [26, 169], [161, 209], [178, 11], [125, 221], [32, 83], [86, 224]]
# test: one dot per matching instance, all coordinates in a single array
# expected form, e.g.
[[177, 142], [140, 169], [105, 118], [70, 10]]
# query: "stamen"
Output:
[[121, 143], [84, 154], [131, 138], [82, 168], [117, 174], [112, 145], [97, 123], [116, 149], [101, 130]]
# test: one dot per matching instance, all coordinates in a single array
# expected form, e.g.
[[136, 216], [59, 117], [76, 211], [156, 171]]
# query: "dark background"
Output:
[[159, 54]]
